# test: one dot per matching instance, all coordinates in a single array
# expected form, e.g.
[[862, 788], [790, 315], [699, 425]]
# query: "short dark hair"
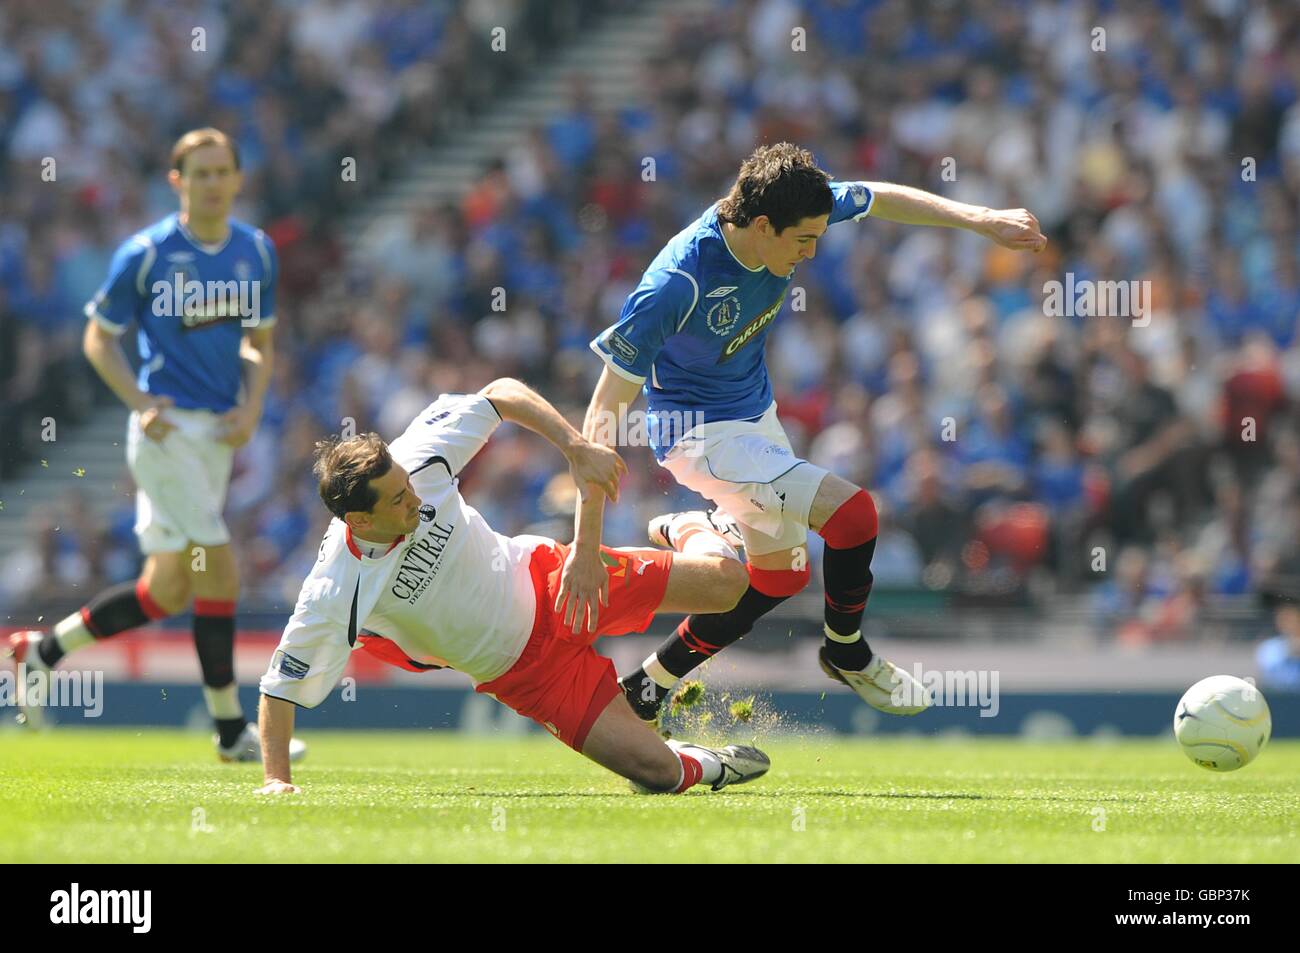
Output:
[[781, 181], [197, 139], [345, 469]]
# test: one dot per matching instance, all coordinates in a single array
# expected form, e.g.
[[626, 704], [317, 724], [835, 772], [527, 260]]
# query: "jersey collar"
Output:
[[356, 550], [205, 247], [722, 233]]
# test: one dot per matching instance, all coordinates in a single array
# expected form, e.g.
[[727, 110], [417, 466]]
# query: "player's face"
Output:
[[781, 252], [397, 510], [209, 183]]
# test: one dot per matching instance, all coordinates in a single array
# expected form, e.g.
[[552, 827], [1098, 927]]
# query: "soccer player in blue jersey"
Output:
[[691, 336], [200, 287]]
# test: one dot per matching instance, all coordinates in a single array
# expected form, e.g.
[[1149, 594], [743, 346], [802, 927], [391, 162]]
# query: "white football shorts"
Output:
[[181, 482], [749, 469]]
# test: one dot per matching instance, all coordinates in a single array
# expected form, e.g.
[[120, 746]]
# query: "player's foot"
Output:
[[882, 685], [248, 747], [667, 529], [22, 649], [740, 763]]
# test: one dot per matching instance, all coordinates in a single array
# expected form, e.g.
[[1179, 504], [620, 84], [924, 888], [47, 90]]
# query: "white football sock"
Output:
[[709, 762], [223, 702], [72, 633]]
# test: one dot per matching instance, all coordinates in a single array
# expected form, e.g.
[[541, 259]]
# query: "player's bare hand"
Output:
[[584, 588], [1014, 228], [591, 464], [152, 422], [237, 425], [278, 787]]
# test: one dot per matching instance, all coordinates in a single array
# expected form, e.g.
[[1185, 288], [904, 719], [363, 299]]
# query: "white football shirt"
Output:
[[452, 592]]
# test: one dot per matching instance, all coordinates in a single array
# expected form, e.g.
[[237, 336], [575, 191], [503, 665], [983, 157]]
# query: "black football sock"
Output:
[[229, 730], [847, 574], [214, 640], [49, 650], [117, 609], [700, 637], [643, 693], [697, 639]]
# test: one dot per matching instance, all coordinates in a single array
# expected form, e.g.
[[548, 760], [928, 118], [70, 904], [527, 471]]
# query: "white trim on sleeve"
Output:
[[609, 362], [695, 301], [146, 262], [92, 314]]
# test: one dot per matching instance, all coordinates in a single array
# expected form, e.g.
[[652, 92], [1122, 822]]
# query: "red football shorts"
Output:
[[559, 680]]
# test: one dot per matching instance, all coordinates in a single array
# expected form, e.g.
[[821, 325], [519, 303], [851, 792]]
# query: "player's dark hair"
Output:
[[781, 181], [197, 139], [345, 469]]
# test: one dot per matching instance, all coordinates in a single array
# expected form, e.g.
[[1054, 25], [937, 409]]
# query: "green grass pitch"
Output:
[[152, 795]]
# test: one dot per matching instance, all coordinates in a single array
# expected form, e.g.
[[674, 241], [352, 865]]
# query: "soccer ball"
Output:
[[1222, 723]]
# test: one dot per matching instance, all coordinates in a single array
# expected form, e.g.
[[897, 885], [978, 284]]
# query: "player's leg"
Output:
[[163, 587], [704, 583], [215, 580], [749, 470], [770, 579], [161, 590], [698, 584], [621, 742], [844, 515]]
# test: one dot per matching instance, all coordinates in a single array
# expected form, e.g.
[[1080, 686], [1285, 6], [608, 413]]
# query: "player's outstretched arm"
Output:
[[592, 465], [1015, 228], [275, 722], [584, 583]]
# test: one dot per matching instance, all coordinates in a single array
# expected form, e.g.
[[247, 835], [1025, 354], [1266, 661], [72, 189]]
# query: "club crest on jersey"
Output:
[[750, 331], [427, 513], [723, 317]]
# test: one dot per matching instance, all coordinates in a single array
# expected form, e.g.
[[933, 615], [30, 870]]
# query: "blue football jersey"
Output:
[[695, 328], [192, 303]]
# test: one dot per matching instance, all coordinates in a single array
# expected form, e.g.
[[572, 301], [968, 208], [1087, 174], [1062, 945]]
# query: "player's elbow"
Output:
[[92, 341], [501, 387]]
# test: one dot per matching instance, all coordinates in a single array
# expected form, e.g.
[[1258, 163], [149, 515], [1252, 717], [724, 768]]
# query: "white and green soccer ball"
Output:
[[1222, 723]]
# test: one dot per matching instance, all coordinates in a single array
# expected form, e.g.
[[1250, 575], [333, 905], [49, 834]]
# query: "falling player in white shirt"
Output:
[[412, 573]]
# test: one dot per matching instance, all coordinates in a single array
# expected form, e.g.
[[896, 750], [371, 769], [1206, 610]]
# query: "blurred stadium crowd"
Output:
[[1154, 463]]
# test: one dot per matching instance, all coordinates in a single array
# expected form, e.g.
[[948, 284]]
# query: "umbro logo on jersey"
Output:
[[181, 256], [721, 292]]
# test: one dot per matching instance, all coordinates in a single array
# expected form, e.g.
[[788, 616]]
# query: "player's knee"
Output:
[[733, 580], [855, 522], [169, 592]]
